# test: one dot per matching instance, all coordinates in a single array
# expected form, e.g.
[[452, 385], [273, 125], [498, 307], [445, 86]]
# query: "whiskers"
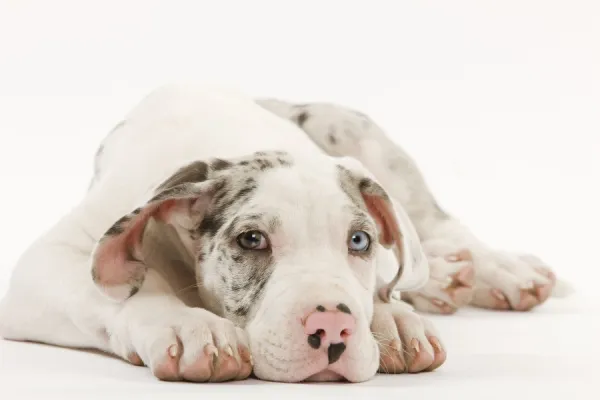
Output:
[[192, 286], [383, 341]]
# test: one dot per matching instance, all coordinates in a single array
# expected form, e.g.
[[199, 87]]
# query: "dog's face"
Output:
[[284, 248]]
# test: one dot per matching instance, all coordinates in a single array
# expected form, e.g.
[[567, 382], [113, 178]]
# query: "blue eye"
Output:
[[359, 241]]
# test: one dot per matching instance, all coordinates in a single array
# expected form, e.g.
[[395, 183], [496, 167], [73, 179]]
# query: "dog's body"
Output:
[[225, 232]]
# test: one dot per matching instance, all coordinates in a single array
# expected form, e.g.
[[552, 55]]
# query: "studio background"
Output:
[[497, 101]]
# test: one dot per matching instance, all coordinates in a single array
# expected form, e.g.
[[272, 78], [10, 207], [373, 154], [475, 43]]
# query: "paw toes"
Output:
[[443, 307], [430, 305], [499, 299], [439, 354], [543, 292], [420, 358], [246, 363], [527, 301], [465, 276], [391, 360], [167, 369], [135, 359], [490, 298], [226, 366], [461, 295], [460, 288], [202, 368], [461, 255]]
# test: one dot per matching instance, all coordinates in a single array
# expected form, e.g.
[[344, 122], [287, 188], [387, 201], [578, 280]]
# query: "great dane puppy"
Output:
[[224, 235]]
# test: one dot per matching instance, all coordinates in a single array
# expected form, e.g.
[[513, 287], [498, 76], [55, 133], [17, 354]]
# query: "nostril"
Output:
[[344, 333], [314, 341]]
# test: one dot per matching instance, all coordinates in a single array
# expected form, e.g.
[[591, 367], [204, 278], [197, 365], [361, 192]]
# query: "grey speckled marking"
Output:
[[194, 172], [331, 136], [100, 152], [229, 183], [301, 118]]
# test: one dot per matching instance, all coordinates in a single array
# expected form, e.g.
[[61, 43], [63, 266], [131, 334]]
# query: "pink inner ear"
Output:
[[115, 259], [390, 232]]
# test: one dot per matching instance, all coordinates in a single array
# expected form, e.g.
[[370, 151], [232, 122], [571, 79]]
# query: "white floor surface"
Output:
[[550, 353]]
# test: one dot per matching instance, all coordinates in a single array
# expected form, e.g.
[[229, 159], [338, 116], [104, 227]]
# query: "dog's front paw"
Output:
[[190, 344], [451, 280], [513, 282], [407, 342]]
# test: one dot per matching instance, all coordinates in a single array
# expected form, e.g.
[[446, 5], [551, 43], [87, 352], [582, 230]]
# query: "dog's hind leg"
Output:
[[454, 253], [342, 132], [458, 260], [50, 294]]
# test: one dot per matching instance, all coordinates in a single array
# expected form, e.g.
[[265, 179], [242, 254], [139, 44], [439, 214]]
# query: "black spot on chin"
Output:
[[334, 352]]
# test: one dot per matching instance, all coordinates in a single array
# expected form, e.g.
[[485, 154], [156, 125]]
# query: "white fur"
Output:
[[176, 125]]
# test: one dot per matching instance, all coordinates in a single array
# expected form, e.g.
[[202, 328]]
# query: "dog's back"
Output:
[[175, 125]]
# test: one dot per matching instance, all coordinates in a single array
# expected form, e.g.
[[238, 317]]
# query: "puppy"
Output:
[[223, 235]]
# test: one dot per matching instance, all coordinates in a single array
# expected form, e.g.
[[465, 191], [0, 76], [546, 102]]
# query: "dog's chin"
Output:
[[326, 376]]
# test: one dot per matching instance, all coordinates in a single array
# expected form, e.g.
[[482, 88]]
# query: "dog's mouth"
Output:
[[326, 375]]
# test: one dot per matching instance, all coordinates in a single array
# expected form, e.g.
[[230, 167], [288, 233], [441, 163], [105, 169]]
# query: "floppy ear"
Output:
[[396, 231], [118, 268]]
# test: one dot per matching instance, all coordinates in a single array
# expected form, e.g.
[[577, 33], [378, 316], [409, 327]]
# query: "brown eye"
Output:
[[252, 240]]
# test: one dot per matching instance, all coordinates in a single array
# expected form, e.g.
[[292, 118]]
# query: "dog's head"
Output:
[[285, 248]]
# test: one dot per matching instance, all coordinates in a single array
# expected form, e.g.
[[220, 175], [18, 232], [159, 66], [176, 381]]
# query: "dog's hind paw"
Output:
[[451, 281], [517, 282]]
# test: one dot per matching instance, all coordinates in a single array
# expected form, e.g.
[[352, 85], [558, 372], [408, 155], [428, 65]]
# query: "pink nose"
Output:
[[330, 330]]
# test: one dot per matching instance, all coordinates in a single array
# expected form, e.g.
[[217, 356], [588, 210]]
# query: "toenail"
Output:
[[498, 294], [438, 302], [415, 345], [210, 350], [229, 351], [435, 343], [135, 359], [173, 350]]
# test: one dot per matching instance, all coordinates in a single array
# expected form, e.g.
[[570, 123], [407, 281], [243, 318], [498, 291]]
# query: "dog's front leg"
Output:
[[407, 342], [177, 342]]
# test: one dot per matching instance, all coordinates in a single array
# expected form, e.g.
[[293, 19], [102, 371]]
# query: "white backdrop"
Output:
[[498, 101]]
